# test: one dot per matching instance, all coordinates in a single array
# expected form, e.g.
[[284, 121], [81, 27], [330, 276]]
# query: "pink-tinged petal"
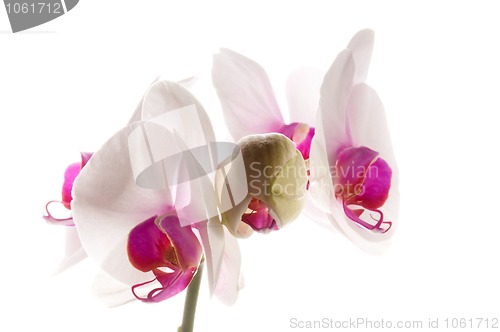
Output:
[[302, 92], [335, 92], [246, 95], [361, 46], [230, 280], [376, 185], [184, 241], [107, 204]]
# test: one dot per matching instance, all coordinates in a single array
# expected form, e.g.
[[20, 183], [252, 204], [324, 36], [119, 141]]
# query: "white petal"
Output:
[[321, 183], [230, 280], [107, 204], [74, 252], [212, 237], [164, 97], [110, 291], [187, 83], [246, 95], [335, 92], [302, 91], [361, 46], [138, 110], [316, 214]]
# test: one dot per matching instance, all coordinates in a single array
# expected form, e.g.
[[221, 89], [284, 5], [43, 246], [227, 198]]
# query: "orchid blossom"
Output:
[[135, 233], [250, 107], [354, 176]]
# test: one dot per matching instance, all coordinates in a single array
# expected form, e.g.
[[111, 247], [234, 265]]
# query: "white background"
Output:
[[68, 85]]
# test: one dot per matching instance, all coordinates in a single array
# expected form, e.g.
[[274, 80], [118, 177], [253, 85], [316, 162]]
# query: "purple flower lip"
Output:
[[362, 181], [171, 252]]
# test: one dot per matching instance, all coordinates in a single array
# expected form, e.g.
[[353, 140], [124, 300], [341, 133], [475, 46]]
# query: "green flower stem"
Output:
[[191, 301]]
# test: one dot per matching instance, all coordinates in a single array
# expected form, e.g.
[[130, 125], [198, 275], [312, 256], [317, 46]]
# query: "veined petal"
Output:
[[335, 92], [107, 204], [212, 238], [246, 95], [302, 91], [230, 280], [361, 46]]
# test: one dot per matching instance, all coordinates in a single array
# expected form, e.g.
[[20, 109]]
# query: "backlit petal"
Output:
[[361, 46], [302, 92], [335, 93], [108, 204], [246, 95], [230, 280]]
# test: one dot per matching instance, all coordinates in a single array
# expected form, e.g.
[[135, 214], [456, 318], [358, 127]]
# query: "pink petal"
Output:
[[246, 95], [302, 91]]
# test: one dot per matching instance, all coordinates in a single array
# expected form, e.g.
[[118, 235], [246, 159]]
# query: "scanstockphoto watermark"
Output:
[[434, 323], [358, 323], [26, 14]]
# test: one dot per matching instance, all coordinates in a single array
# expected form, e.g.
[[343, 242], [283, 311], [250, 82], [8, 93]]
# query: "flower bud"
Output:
[[276, 178]]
